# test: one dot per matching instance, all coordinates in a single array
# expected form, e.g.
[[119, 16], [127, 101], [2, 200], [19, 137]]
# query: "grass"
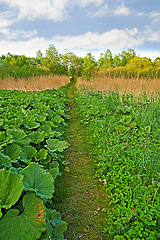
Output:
[[80, 197], [135, 86], [34, 84]]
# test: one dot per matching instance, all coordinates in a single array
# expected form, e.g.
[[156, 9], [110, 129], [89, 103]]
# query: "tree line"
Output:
[[125, 64]]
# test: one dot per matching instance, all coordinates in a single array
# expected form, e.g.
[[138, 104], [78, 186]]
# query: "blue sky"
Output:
[[81, 26]]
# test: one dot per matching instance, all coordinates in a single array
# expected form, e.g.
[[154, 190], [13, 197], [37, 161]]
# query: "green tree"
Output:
[[52, 60], [88, 65], [117, 60], [72, 64], [126, 56], [106, 59], [156, 62], [39, 57]]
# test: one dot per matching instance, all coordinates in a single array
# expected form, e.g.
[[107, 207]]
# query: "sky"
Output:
[[80, 26]]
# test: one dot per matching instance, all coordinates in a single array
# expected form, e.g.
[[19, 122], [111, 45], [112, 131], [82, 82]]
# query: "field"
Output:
[[107, 184], [34, 83], [124, 132], [122, 85]]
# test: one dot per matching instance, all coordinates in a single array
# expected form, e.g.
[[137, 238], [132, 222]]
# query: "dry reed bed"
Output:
[[135, 86], [34, 84]]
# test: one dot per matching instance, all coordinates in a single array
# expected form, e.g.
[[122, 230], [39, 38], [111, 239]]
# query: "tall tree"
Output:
[[52, 60], [88, 64], [106, 59], [126, 56]]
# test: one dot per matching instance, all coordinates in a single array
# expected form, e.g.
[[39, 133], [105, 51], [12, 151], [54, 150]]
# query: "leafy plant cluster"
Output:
[[32, 125], [124, 132]]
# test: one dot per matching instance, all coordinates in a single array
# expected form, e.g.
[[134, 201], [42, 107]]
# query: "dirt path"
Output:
[[80, 197]]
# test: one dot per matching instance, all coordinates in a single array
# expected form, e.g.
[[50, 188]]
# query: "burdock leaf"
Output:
[[11, 187], [54, 170], [29, 122], [38, 180], [27, 226], [32, 125], [5, 161], [13, 151], [37, 137], [19, 136], [28, 152], [41, 155], [5, 139], [56, 145], [15, 122], [55, 226], [118, 237]]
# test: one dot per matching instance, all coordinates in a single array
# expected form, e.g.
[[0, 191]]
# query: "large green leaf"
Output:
[[14, 123], [28, 152], [32, 125], [5, 161], [29, 122], [53, 134], [118, 237], [13, 151], [19, 136], [38, 180], [55, 226], [41, 155], [56, 145], [37, 137], [27, 226], [55, 169], [57, 119], [5, 139], [11, 187]]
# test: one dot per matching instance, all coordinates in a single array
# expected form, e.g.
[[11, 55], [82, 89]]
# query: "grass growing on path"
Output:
[[80, 197]]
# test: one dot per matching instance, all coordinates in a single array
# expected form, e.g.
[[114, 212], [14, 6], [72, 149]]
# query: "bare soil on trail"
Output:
[[81, 198]]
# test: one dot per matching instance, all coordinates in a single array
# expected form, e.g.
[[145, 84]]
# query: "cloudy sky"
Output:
[[81, 26]]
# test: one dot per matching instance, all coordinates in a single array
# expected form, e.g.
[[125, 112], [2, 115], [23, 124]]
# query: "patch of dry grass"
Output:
[[34, 84], [135, 86]]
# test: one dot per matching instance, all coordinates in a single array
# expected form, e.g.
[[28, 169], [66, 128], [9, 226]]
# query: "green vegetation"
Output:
[[32, 125], [124, 133], [125, 64]]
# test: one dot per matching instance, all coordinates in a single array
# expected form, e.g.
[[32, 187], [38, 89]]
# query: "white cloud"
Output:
[[151, 35], [101, 12], [8, 34], [57, 10], [115, 38], [121, 10], [155, 16], [28, 48], [7, 18], [84, 3]]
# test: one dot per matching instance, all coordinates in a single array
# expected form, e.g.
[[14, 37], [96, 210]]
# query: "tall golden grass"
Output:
[[135, 86], [34, 84]]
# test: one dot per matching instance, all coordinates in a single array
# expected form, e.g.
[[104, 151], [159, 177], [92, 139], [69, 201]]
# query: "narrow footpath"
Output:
[[81, 199]]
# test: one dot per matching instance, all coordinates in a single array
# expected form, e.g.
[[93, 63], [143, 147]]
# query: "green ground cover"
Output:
[[32, 125], [125, 141], [105, 186]]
